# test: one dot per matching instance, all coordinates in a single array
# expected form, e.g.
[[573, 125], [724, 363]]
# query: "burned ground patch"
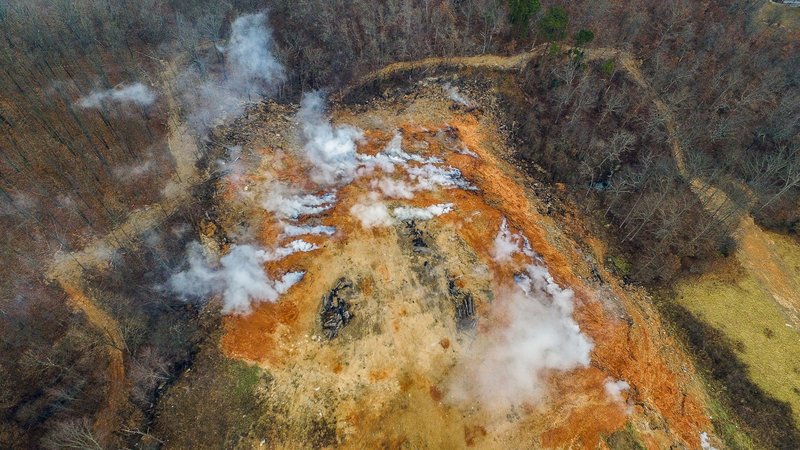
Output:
[[335, 312]]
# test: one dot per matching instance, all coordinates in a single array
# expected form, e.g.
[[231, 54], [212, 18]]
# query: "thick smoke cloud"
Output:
[[136, 93], [251, 71], [538, 335], [239, 276], [331, 150]]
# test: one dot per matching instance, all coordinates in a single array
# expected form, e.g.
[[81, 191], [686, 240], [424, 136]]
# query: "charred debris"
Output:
[[335, 312]]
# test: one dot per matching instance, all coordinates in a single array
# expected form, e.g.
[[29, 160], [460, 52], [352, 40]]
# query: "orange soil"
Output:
[[576, 413]]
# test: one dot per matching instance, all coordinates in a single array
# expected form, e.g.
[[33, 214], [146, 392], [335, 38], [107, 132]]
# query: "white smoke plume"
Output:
[[395, 153], [393, 188], [506, 244], [411, 213], [536, 336], [134, 171], [615, 388], [705, 442], [331, 150], [251, 71], [288, 202], [428, 177], [252, 67], [238, 276], [455, 95], [301, 230], [136, 93], [372, 212]]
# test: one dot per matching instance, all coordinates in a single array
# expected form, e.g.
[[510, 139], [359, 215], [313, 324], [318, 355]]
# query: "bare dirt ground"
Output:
[[387, 379]]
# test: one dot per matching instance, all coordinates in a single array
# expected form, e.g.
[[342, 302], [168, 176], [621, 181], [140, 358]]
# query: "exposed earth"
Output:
[[382, 341]]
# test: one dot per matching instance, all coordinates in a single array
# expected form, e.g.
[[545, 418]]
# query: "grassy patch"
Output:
[[620, 265], [213, 405], [728, 428], [780, 15], [747, 353], [768, 420], [626, 438], [748, 317], [788, 248]]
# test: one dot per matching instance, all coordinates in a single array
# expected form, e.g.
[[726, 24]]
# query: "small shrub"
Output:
[[554, 23], [583, 37], [608, 67], [727, 246], [620, 265]]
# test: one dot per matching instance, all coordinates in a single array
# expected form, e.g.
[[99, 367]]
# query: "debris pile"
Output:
[[335, 312], [464, 305]]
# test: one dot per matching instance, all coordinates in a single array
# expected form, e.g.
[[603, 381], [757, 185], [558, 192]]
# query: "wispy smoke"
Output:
[[428, 177], [614, 389], [239, 276], [410, 213], [705, 443], [252, 68], [455, 95], [506, 244], [136, 93], [393, 188], [331, 150], [288, 202], [251, 71], [301, 230], [538, 335], [372, 213]]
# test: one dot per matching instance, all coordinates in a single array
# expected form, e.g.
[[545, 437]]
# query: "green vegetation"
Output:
[[583, 37], [608, 67], [521, 13], [748, 317], [767, 420], [625, 438], [554, 23], [727, 427], [746, 351], [620, 265], [246, 380], [213, 405]]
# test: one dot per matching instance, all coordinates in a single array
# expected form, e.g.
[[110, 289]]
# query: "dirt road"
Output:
[[67, 269]]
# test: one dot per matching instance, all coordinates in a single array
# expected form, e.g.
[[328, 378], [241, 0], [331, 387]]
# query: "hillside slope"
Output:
[[408, 366]]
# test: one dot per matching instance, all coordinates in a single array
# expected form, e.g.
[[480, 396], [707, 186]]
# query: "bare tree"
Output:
[[72, 434]]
